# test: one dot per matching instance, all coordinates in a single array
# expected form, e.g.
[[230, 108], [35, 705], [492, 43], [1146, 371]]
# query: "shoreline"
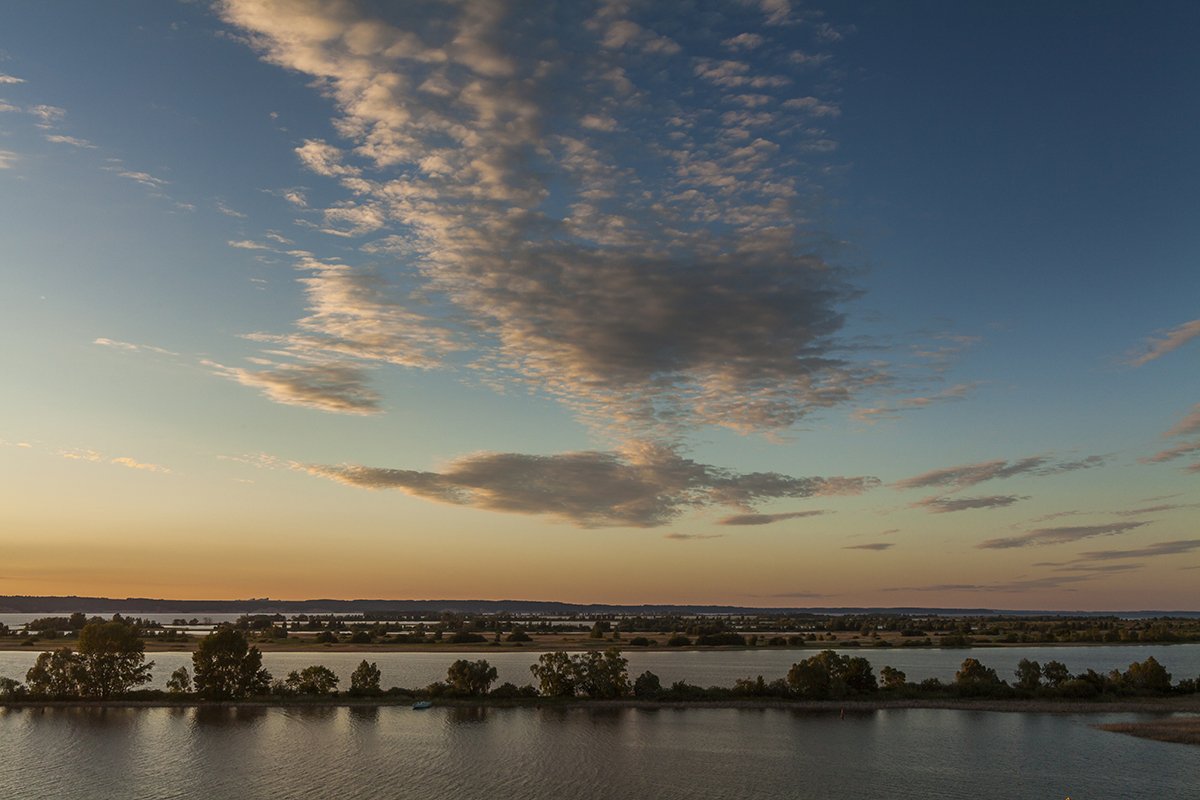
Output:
[[1168, 705], [572, 646]]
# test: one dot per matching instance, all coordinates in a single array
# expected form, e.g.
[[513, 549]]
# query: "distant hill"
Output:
[[20, 604]]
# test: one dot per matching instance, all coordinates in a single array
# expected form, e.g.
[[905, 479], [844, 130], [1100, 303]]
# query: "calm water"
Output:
[[705, 668], [540, 754]]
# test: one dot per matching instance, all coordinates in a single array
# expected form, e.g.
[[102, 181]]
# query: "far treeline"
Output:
[[110, 663], [669, 630]]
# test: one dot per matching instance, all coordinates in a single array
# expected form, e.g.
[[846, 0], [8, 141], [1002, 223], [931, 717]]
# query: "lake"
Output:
[[705, 668], [579, 753]]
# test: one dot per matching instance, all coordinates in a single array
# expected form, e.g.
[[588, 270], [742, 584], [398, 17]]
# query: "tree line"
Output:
[[110, 663]]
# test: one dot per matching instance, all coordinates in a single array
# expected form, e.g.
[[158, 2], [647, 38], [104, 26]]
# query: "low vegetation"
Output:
[[110, 664]]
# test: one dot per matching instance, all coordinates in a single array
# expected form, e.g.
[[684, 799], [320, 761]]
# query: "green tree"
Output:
[[312, 680], [365, 679], [828, 674], [470, 677], [1028, 674], [56, 673], [602, 675], [11, 689], [555, 674], [112, 658], [227, 668], [180, 681], [893, 678], [1055, 673], [1148, 676], [975, 678], [647, 686]]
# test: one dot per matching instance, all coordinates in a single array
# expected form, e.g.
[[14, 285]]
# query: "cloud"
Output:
[[130, 463], [1159, 549], [687, 537], [1188, 425], [964, 475], [1141, 512], [875, 546], [71, 140], [588, 243], [1168, 342], [1171, 453], [744, 41], [355, 313], [871, 415], [131, 347], [247, 244], [7, 159], [48, 116], [1016, 586], [641, 485], [325, 385], [767, 519], [144, 178], [943, 505], [1072, 533], [10, 79], [227, 211]]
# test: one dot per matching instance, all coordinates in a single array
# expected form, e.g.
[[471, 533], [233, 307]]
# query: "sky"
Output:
[[762, 303]]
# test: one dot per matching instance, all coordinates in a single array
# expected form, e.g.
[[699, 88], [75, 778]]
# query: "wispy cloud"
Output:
[[767, 519], [1168, 342], [325, 386], [1159, 549], [876, 413], [943, 505], [8, 159], [56, 138], [641, 485], [689, 537], [130, 347], [10, 79], [874, 546], [1190, 424], [131, 463], [96, 457], [1061, 535], [686, 293], [227, 211], [964, 475]]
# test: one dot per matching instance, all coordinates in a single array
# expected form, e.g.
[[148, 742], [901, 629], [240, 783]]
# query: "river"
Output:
[[579, 753]]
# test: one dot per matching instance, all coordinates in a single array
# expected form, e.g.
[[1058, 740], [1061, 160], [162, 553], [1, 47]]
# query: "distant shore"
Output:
[[1179, 731], [1164, 705], [572, 643]]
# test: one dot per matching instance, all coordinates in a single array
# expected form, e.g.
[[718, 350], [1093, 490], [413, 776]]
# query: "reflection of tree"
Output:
[[468, 715]]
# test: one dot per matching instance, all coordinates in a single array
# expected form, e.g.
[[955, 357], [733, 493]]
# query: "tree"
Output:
[[180, 681], [518, 635], [312, 680], [1028, 674], [11, 689], [602, 675], [1148, 676], [893, 678], [975, 678], [365, 679], [555, 674], [470, 677], [828, 674], [647, 686], [56, 673], [1055, 673], [112, 658], [227, 668]]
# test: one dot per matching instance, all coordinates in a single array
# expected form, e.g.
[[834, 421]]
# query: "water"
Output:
[[704, 668], [547, 754]]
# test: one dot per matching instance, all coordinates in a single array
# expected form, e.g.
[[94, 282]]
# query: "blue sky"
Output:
[[762, 303]]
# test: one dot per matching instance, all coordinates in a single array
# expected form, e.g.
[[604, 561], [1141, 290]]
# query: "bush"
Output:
[[679, 640]]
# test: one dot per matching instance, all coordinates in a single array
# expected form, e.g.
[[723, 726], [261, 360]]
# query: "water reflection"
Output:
[[467, 715], [227, 716]]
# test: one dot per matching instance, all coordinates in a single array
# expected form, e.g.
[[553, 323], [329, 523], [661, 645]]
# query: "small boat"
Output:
[[421, 705]]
